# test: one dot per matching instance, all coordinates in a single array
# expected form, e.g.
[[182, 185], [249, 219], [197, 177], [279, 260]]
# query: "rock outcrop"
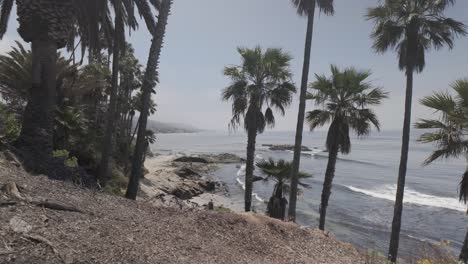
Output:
[[284, 147]]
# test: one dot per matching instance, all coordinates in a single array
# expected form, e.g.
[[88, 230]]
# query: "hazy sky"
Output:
[[202, 37]]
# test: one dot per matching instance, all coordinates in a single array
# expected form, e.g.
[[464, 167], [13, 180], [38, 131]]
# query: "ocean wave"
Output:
[[241, 173], [388, 192]]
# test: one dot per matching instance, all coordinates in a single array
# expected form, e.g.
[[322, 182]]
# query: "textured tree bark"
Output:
[[464, 251], [301, 116], [277, 204], [150, 79], [38, 119], [398, 210], [327, 185], [249, 167], [106, 153]]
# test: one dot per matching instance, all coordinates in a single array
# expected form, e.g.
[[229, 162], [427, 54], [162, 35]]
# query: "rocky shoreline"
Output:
[[182, 181]]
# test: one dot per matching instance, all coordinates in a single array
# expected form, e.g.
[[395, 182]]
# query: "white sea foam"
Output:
[[241, 173], [388, 192]]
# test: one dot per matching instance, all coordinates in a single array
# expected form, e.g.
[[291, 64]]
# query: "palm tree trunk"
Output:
[[111, 112], [327, 184], [249, 167], [301, 115], [38, 119], [276, 208], [464, 251], [398, 210], [150, 79]]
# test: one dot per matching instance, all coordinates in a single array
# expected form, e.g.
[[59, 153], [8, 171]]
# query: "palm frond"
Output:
[[318, 118], [269, 117], [440, 101]]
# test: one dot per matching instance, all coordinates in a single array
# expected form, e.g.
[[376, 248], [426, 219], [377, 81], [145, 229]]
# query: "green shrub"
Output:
[[9, 124], [71, 162], [118, 182], [222, 209]]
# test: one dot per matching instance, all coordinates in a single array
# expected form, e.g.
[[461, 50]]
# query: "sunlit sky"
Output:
[[202, 37]]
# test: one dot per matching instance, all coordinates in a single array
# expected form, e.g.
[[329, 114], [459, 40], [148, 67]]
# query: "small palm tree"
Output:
[[281, 173], [260, 83], [304, 8], [16, 78], [410, 27], [449, 132], [344, 99]]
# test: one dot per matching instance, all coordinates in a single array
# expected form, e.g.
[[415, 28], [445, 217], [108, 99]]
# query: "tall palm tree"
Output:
[[281, 173], [263, 80], [124, 15], [448, 134], [49, 25], [304, 8], [410, 27], [345, 98], [158, 32], [119, 41]]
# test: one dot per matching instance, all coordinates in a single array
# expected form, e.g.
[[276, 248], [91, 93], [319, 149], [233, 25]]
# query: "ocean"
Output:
[[360, 210]]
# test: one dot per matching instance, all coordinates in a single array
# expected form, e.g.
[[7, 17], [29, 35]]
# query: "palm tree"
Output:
[[304, 8], [123, 15], [119, 41], [449, 132], [344, 99], [281, 173], [410, 27], [150, 79], [262, 80], [15, 77], [47, 24]]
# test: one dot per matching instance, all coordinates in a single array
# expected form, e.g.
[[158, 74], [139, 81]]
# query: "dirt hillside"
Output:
[[47, 221]]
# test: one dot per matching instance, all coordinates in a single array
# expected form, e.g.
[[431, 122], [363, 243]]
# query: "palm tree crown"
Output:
[[344, 98], [263, 78], [280, 172], [450, 128], [304, 6], [411, 27]]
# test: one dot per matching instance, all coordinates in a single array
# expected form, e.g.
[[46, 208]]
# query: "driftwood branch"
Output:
[[6, 204], [11, 189], [58, 206]]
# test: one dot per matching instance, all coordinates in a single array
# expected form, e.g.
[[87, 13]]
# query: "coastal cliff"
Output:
[[46, 221]]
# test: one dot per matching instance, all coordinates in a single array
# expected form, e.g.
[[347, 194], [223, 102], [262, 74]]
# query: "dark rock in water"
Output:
[[192, 159], [208, 185], [284, 147], [225, 158], [187, 173]]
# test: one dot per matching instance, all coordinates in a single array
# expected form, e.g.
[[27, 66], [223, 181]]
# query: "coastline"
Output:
[[186, 181]]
